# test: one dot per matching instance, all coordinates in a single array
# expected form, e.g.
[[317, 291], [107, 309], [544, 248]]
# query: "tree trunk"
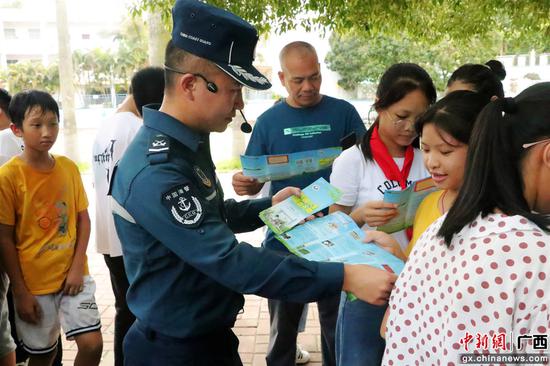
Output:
[[66, 81], [158, 37]]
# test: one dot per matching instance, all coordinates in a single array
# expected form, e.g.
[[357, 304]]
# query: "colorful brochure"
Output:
[[288, 213], [276, 167], [336, 238], [408, 201]]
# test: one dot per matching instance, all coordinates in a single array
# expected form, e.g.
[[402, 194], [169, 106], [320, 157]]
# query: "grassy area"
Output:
[[228, 165], [84, 167]]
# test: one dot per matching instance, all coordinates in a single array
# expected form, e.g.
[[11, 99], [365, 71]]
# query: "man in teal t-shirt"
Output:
[[305, 120]]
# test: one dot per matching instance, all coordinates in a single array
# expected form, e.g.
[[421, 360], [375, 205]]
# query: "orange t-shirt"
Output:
[[43, 208]]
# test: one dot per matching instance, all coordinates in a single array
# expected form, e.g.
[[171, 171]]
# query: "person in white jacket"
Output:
[[113, 137]]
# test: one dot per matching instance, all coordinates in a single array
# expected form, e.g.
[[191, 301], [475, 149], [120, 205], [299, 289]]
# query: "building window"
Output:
[[9, 33], [34, 33], [11, 62], [85, 36]]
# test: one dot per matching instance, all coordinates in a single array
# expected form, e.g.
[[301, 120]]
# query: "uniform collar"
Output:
[[170, 126]]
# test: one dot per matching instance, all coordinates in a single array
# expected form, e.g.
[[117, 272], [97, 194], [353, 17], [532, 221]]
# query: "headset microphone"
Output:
[[245, 126]]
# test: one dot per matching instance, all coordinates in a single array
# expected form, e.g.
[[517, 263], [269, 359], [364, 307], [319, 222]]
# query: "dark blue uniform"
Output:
[[185, 267]]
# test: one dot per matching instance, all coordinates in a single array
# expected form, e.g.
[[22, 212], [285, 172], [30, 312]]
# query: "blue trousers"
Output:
[[285, 320], [146, 347], [358, 340]]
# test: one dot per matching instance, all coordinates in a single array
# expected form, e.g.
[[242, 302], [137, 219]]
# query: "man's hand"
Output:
[[374, 213], [27, 307], [368, 283], [386, 241], [244, 185], [74, 283], [284, 194]]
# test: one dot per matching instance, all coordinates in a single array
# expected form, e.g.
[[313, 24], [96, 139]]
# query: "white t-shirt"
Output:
[[491, 283], [113, 137], [362, 181], [10, 145]]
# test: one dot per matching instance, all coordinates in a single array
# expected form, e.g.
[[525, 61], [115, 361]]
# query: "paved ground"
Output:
[[252, 327]]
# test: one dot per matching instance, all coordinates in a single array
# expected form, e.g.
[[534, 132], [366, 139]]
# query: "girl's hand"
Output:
[[386, 241], [374, 213]]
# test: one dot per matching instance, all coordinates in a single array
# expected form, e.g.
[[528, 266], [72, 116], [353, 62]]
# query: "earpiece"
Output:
[[211, 87]]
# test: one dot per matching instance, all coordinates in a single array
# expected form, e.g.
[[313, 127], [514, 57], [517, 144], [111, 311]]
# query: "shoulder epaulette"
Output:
[[159, 148]]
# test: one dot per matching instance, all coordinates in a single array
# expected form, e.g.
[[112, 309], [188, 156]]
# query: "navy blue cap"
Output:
[[218, 36]]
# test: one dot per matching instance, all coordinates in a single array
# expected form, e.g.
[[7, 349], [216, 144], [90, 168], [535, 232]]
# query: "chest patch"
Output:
[[183, 205]]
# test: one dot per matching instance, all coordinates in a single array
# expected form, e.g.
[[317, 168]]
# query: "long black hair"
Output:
[[396, 82], [454, 114], [486, 79], [493, 177]]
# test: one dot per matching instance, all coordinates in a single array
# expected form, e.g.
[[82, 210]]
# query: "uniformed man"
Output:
[[186, 270]]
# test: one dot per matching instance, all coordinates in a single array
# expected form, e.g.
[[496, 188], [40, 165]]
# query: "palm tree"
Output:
[[66, 80], [158, 37]]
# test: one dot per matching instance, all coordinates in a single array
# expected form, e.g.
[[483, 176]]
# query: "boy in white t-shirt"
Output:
[[113, 137], [10, 145], [7, 345]]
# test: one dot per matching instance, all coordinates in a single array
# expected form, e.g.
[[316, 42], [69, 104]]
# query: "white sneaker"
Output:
[[302, 356]]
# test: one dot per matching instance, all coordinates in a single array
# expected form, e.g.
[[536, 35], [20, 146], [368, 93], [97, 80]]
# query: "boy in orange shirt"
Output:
[[44, 232]]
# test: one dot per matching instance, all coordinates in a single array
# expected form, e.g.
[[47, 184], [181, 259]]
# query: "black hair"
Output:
[[147, 86], [486, 79], [493, 177], [23, 102], [396, 82], [498, 68], [173, 56], [454, 114], [5, 99], [184, 61]]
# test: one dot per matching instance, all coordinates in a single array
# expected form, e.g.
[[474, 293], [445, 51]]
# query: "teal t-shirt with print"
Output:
[[283, 129]]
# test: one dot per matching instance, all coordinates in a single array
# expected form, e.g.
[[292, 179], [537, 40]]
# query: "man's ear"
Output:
[[281, 77], [187, 85], [546, 156], [16, 130]]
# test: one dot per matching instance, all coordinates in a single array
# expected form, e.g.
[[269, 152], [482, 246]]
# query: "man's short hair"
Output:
[[147, 86], [23, 102], [5, 99], [297, 46], [184, 61]]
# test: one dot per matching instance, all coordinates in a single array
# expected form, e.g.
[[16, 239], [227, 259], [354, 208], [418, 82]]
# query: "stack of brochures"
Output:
[[332, 238], [276, 167], [287, 214], [337, 238]]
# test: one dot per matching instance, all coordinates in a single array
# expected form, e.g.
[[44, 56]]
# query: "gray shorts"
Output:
[[7, 344], [76, 314]]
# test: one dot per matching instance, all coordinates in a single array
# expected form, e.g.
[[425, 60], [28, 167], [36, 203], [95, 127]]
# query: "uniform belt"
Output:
[[152, 335]]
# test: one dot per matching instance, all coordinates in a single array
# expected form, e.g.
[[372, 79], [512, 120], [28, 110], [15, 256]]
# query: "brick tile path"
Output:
[[252, 326]]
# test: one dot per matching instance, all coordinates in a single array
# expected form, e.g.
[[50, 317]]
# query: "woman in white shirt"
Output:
[[384, 160]]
